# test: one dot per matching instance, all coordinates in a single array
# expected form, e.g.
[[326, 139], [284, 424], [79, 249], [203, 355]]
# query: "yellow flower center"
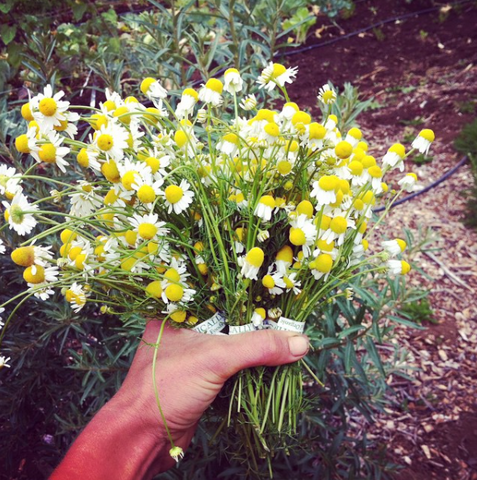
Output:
[[154, 289], [67, 235], [297, 236], [278, 69], [328, 183], [110, 171], [24, 256], [328, 96], [47, 153], [285, 254], [398, 149], [37, 277], [47, 107], [146, 194], [174, 193], [305, 207], [339, 225], [405, 267], [79, 261], [231, 138], [428, 135], [172, 275], [21, 144], [402, 244], [82, 158], [109, 105], [128, 179], [105, 142], [317, 131], [284, 167], [265, 114], [272, 129], [368, 161], [174, 293], [255, 257], [153, 163], [323, 263], [131, 237], [147, 231], [191, 92], [375, 171], [268, 200], [369, 198], [128, 264], [268, 282], [358, 204], [355, 133], [122, 113], [110, 197], [98, 120], [180, 138], [324, 246], [26, 112], [74, 252], [343, 149], [301, 117], [146, 84], [214, 85]]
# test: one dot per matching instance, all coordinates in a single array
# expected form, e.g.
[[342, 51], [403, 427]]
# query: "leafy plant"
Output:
[[419, 311], [300, 23]]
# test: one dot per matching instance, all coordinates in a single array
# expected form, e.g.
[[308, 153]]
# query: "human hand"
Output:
[[191, 369]]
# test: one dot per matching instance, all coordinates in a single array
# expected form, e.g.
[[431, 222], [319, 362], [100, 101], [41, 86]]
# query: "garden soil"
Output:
[[421, 72]]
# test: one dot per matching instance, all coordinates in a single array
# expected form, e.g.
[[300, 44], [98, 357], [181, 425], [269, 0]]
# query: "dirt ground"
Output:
[[422, 73]]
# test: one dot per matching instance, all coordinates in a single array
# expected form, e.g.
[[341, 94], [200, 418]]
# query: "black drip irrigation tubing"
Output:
[[370, 27], [429, 187]]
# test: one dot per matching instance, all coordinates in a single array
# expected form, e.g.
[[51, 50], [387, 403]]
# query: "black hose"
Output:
[[369, 27], [429, 187]]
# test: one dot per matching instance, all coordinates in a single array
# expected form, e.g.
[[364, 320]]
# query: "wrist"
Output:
[[117, 443]]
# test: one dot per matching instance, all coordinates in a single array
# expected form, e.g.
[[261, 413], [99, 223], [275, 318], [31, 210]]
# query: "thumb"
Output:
[[265, 347]]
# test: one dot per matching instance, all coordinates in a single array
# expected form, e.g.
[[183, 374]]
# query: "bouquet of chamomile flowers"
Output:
[[211, 214]]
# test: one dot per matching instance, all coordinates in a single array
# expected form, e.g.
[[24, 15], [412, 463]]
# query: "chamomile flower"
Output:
[[338, 228], [48, 110], [147, 188], [394, 247], [211, 92], [273, 282], [177, 198], [252, 262], [291, 283], [153, 90], [324, 190], [188, 101], [132, 172], [76, 297], [39, 282], [302, 233], [85, 200], [321, 266], [326, 95], [398, 267], [88, 158], [395, 156], [249, 102], [233, 81], [423, 141], [148, 226], [284, 259], [228, 144], [9, 180], [353, 137], [19, 214], [111, 141], [67, 126], [408, 182], [276, 74], [32, 256], [258, 316], [4, 362], [264, 208], [157, 161], [51, 151]]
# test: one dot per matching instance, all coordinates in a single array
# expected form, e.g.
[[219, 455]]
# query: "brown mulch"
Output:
[[422, 72]]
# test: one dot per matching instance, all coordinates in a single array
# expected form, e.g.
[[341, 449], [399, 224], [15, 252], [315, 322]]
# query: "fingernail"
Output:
[[298, 345]]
